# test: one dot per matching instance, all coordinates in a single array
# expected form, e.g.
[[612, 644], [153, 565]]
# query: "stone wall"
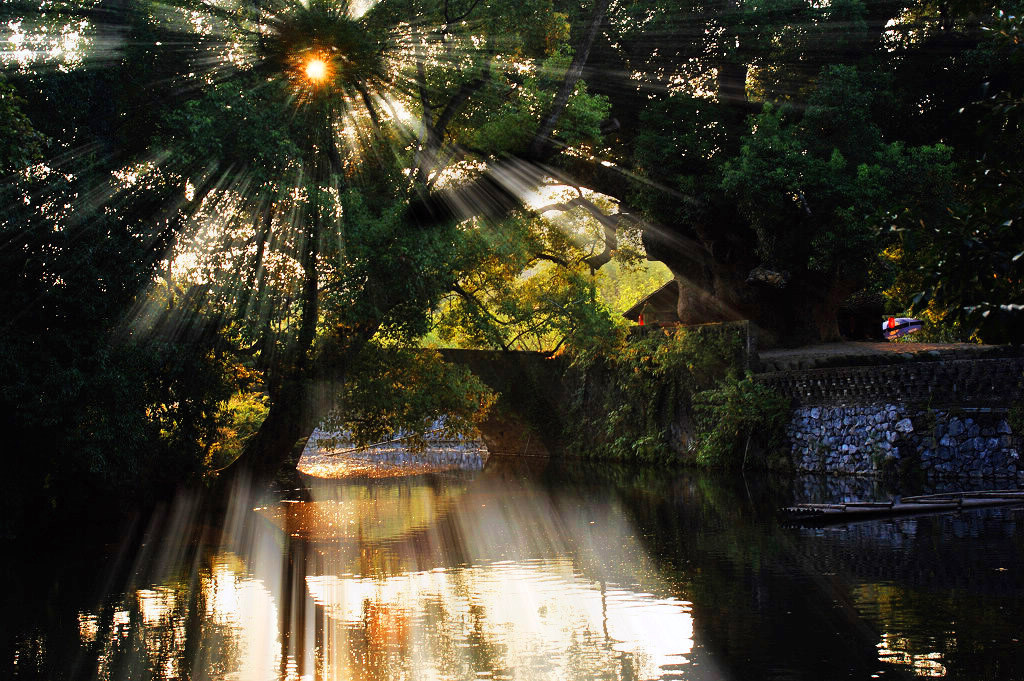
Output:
[[867, 439], [947, 418], [960, 382]]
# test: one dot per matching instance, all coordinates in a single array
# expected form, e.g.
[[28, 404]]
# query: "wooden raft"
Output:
[[827, 514]]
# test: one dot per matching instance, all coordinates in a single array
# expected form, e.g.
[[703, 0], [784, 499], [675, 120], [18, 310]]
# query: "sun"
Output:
[[316, 69]]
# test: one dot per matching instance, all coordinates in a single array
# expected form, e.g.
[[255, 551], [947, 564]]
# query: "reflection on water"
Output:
[[899, 650], [505, 620], [557, 574]]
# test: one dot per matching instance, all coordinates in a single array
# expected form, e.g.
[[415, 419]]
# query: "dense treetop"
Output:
[[210, 195]]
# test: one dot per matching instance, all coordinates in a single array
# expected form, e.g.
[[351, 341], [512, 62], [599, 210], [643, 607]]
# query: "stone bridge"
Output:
[[862, 410], [527, 419]]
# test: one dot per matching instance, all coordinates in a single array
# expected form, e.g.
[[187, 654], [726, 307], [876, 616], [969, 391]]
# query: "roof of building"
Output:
[[664, 296]]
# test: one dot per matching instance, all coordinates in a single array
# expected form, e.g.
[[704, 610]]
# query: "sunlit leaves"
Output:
[[529, 290]]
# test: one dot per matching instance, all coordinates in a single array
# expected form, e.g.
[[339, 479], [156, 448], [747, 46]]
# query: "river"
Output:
[[528, 571]]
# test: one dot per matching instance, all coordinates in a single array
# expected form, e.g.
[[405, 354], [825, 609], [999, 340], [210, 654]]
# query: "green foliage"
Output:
[[551, 308], [94, 408], [963, 260], [668, 391], [528, 289], [817, 187], [737, 418], [504, 118], [857, 125], [687, 156], [20, 142], [621, 285], [395, 390], [629, 397], [252, 128], [240, 418]]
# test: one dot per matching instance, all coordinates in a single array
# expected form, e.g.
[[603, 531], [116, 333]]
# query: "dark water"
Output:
[[557, 572]]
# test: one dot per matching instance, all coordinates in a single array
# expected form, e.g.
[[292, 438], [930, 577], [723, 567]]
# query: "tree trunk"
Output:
[[732, 84], [299, 402], [294, 412], [787, 311]]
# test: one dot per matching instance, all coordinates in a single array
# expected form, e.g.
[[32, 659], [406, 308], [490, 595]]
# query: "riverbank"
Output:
[[941, 411]]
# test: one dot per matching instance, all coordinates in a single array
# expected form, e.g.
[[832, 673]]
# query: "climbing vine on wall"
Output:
[[637, 400]]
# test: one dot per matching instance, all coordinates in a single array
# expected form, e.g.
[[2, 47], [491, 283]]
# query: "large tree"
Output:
[[283, 153], [320, 176]]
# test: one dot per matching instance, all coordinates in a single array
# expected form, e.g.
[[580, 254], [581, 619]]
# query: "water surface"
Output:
[[540, 572]]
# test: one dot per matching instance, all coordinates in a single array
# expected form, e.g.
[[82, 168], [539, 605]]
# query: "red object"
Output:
[[892, 322], [640, 319]]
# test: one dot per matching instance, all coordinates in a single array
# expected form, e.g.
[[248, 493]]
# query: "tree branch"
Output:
[[460, 97], [473, 300], [610, 224], [538, 324], [365, 95], [551, 258], [552, 351], [448, 19], [421, 86], [540, 145], [611, 243]]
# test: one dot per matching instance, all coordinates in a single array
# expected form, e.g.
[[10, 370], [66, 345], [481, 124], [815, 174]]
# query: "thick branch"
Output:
[[421, 86], [609, 223], [533, 328], [493, 195], [470, 298], [540, 145], [587, 205], [310, 293], [257, 272], [428, 157], [551, 258], [368, 103], [611, 243], [430, 141], [448, 19]]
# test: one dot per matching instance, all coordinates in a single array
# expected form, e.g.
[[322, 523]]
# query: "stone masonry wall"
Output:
[[964, 382], [946, 418], [867, 439]]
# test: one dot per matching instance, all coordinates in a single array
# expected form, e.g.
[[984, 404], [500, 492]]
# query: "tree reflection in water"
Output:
[[427, 577], [594, 573]]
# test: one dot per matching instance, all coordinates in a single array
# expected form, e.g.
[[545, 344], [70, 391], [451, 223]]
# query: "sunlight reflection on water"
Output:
[[536, 620], [525, 572], [425, 577]]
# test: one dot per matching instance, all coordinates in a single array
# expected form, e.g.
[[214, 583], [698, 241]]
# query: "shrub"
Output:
[[241, 416], [627, 401], [737, 418]]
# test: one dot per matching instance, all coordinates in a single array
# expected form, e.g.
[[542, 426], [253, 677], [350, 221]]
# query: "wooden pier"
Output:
[[830, 514]]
